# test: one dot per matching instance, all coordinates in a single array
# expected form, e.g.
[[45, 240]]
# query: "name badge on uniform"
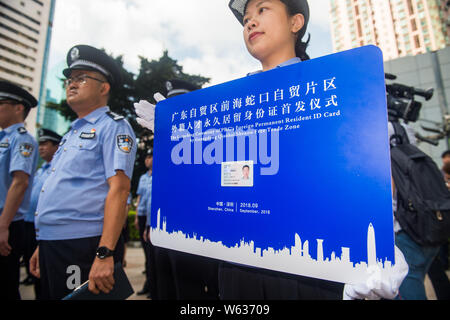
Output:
[[124, 143], [4, 145], [26, 149], [87, 135]]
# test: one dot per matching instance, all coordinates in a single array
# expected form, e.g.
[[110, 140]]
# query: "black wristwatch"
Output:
[[104, 252]]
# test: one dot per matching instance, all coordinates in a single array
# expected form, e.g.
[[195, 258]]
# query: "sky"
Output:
[[202, 35]]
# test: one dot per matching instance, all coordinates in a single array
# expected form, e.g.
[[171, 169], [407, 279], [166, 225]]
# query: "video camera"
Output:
[[401, 100]]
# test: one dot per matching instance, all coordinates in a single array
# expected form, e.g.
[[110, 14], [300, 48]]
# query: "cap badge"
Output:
[[75, 54]]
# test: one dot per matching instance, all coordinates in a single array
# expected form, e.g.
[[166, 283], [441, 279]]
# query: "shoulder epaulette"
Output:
[[22, 130], [115, 116]]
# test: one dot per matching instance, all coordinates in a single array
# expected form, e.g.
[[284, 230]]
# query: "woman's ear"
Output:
[[298, 21]]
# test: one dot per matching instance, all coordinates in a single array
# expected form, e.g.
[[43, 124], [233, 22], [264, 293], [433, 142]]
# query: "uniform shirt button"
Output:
[[36, 213], [53, 169], [65, 149], [206, 288], [42, 190], [74, 131], [81, 145]]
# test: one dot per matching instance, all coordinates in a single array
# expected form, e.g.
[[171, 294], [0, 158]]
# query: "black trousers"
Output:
[[195, 277], [29, 248], [142, 220], [245, 283], [152, 282], [60, 260], [439, 279], [163, 275], [10, 265]]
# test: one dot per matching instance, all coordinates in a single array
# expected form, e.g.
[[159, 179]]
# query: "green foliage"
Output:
[[132, 229]]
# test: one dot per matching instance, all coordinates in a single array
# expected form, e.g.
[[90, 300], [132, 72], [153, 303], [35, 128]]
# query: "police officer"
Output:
[[18, 160], [80, 212], [48, 144]]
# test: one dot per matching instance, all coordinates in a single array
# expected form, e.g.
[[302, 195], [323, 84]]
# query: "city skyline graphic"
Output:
[[295, 259]]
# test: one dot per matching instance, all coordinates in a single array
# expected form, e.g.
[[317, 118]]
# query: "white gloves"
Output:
[[380, 285], [146, 112]]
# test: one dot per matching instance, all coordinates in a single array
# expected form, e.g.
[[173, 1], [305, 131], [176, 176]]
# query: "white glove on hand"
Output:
[[146, 112], [380, 285]]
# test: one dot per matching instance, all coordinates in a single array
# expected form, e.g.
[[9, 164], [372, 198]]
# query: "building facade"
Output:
[[54, 93], [399, 27], [424, 71], [25, 33], [445, 16]]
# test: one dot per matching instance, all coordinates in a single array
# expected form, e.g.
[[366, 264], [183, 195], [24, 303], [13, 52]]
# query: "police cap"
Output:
[[175, 87], [10, 91], [238, 7], [84, 57], [48, 135]]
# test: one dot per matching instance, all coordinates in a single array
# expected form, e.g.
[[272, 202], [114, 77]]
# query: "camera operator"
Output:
[[419, 258]]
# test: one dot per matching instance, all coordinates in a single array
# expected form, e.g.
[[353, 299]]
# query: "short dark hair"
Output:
[[246, 166], [445, 154], [26, 111]]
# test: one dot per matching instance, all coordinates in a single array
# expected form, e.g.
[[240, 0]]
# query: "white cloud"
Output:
[[203, 35]]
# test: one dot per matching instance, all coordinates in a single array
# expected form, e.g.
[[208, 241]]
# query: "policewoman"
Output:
[[273, 31], [48, 141], [18, 161], [81, 208]]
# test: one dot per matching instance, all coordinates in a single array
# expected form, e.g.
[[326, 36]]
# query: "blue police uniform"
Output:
[[18, 152], [149, 199], [71, 206], [72, 200], [144, 191], [38, 181], [44, 135], [70, 211]]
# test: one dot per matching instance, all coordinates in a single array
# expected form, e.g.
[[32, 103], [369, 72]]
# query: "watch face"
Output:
[[102, 252]]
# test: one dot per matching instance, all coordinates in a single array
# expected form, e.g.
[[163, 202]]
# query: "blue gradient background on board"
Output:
[[334, 173]]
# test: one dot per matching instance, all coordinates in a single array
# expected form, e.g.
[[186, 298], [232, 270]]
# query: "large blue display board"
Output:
[[286, 170]]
